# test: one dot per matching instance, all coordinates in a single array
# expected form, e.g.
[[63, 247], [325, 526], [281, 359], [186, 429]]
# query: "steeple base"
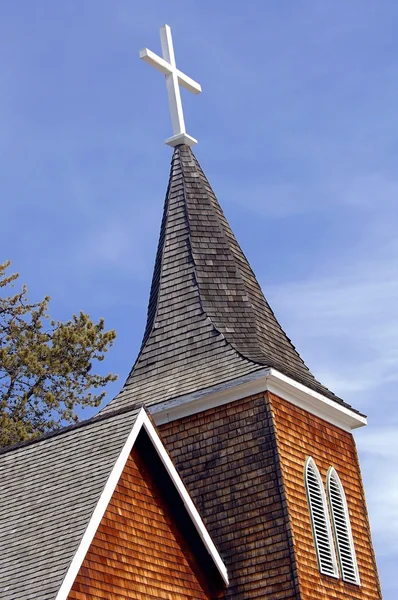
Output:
[[181, 138]]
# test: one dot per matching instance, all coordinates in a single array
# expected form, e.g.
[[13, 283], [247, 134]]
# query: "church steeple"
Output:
[[260, 443], [208, 320]]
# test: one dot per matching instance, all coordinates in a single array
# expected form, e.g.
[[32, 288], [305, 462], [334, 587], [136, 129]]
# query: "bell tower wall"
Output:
[[228, 459], [243, 464], [300, 434]]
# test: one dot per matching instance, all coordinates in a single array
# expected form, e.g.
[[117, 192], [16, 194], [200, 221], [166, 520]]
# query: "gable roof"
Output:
[[53, 494], [208, 320]]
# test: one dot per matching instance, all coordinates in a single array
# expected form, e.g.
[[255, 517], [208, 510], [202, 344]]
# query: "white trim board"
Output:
[[260, 381], [144, 421]]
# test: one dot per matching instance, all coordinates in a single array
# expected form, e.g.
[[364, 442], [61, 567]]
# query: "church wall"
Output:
[[137, 552], [227, 457], [300, 434]]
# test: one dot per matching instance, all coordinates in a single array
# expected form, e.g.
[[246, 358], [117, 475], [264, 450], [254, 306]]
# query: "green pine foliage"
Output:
[[46, 366]]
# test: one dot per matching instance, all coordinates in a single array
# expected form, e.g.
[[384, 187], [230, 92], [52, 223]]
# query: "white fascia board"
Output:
[[142, 420], [314, 402], [260, 381], [100, 509], [185, 497]]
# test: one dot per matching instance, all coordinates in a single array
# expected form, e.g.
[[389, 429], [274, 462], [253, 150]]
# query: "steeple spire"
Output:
[[208, 320]]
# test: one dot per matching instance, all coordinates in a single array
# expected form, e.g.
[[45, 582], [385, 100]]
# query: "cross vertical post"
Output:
[[174, 78], [173, 89]]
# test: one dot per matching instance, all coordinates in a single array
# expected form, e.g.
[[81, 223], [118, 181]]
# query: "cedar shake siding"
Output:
[[228, 460], [138, 552], [300, 434], [243, 464]]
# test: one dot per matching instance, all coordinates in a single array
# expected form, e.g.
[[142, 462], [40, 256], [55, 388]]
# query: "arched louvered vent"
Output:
[[342, 528], [322, 531]]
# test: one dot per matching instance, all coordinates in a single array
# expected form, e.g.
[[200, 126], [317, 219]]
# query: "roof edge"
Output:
[[142, 421], [262, 380], [101, 416]]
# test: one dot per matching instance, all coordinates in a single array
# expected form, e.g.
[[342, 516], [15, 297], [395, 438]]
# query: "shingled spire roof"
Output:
[[208, 320]]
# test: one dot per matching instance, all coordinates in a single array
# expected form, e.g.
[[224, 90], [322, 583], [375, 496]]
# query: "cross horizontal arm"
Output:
[[164, 67], [189, 84], [156, 61]]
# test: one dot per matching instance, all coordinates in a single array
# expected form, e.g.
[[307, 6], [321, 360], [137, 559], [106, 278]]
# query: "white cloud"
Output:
[[346, 322], [125, 244], [379, 452], [322, 191]]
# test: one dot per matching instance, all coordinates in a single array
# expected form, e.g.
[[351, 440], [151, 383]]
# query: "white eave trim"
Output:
[[260, 381], [185, 497], [142, 420]]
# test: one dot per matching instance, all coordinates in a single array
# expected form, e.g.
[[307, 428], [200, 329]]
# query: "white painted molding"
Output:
[[100, 509], [142, 421], [342, 529], [185, 497], [181, 138], [320, 520], [260, 381]]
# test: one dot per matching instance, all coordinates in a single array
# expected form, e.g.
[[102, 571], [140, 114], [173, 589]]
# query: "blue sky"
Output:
[[297, 129]]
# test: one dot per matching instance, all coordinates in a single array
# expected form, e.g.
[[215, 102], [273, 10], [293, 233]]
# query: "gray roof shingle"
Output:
[[49, 490], [208, 320]]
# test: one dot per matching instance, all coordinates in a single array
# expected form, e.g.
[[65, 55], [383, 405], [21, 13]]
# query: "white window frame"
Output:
[[341, 552], [323, 569]]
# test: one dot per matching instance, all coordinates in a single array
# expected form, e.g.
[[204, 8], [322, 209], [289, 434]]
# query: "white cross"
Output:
[[174, 78]]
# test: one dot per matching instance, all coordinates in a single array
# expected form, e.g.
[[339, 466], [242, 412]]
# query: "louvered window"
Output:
[[321, 528], [342, 528]]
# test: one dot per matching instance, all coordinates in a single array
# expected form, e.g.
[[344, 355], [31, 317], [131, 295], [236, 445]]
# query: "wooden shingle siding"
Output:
[[227, 458], [299, 435], [138, 552]]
